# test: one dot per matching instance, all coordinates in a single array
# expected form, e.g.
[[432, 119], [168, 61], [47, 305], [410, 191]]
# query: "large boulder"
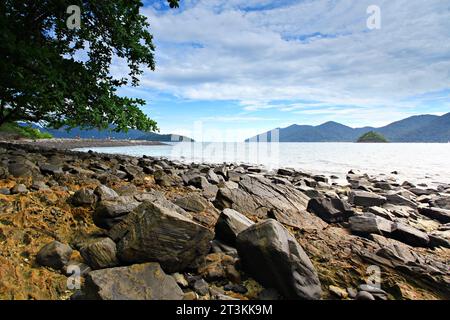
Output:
[[155, 233], [258, 196], [366, 199], [54, 255], [272, 256], [230, 224], [137, 282], [330, 210]]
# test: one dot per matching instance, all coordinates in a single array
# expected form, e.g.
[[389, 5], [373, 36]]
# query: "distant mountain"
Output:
[[423, 128], [108, 134]]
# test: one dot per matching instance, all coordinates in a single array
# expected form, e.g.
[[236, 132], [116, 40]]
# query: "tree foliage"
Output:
[[372, 136], [60, 76]]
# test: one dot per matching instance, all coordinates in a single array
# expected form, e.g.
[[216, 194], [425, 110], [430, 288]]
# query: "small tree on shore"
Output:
[[42, 77]]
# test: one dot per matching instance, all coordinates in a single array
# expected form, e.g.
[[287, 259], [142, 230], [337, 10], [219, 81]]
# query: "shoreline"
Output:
[[90, 206], [68, 144]]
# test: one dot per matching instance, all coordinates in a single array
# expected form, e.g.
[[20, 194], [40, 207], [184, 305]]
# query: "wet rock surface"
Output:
[[151, 228]]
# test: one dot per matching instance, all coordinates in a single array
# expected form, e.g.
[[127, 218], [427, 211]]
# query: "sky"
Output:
[[229, 69]]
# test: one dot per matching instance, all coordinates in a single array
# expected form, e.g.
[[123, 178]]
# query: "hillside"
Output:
[[422, 128], [108, 134]]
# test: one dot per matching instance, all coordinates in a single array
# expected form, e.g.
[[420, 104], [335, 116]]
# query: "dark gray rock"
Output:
[[369, 223], [108, 213], [105, 193], [330, 210], [364, 295], [50, 169], [199, 182], [366, 199], [230, 224], [421, 191], [158, 234], [54, 255], [441, 215], [100, 253], [258, 196], [39, 185], [272, 256], [137, 282], [5, 191], [192, 202], [397, 199], [201, 287], [409, 235], [83, 197]]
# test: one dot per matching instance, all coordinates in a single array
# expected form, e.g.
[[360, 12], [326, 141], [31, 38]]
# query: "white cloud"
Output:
[[260, 56]]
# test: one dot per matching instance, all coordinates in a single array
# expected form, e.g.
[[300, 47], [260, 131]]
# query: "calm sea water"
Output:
[[415, 162]]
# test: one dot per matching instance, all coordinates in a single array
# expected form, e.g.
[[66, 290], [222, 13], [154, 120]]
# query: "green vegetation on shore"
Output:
[[372, 136], [15, 130]]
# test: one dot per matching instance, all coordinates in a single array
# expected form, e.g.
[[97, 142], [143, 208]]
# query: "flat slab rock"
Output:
[[258, 196], [273, 256], [137, 282], [155, 233]]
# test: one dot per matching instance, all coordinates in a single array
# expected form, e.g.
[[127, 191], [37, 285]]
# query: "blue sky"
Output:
[[229, 69]]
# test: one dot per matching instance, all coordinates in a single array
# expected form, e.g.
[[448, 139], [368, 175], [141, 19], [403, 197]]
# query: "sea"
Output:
[[427, 163]]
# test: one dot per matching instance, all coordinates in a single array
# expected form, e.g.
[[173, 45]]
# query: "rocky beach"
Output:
[[86, 225]]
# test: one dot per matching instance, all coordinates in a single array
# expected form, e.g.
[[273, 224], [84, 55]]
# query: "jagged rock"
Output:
[[369, 223], [393, 250], [230, 224], [192, 202], [137, 282], [442, 202], [83, 197], [330, 210], [338, 292], [320, 178], [105, 193], [201, 287], [396, 199], [54, 255], [108, 213], [286, 172], [212, 177], [384, 185], [228, 184], [409, 235], [199, 182], [310, 192], [165, 180], [441, 215], [127, 190], [51, 169], [381, 212], [366, 199], [258, 196], [158, 234], [100, 254], [272, 256], [421, 191]]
